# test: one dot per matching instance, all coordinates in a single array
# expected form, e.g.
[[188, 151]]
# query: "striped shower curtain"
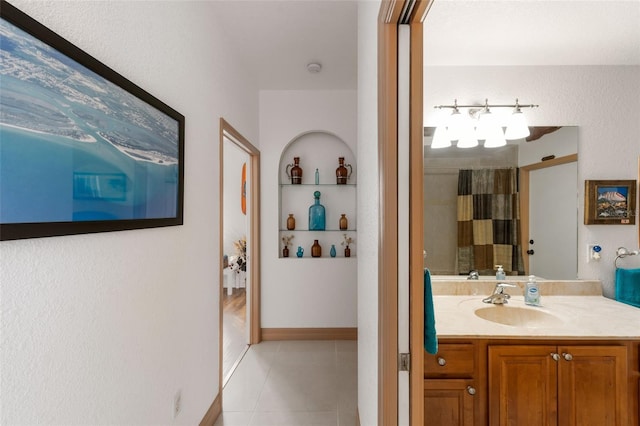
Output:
[[489, 221]]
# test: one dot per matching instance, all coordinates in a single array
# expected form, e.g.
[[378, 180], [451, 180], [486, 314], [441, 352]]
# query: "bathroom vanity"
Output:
[[573, 361]]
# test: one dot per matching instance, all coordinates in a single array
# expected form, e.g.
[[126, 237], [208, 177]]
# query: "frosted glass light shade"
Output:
[[468, 137], [495, 138], [455, 125], [441, 138], [486, 125], [517, 128]]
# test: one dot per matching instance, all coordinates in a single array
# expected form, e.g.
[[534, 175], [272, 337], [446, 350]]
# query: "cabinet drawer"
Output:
[[452, 360]]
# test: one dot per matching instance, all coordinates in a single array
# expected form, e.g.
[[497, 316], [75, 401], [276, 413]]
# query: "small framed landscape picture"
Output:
[[610, 202]]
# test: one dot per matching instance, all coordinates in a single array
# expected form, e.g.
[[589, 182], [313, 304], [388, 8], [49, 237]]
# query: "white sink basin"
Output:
[[517, 316]]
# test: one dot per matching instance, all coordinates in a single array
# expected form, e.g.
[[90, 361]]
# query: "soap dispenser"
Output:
[[500, 275], [531, 293]]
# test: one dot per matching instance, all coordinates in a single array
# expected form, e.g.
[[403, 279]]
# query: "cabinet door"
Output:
[[593, 386], [449, 402], [522, 385]]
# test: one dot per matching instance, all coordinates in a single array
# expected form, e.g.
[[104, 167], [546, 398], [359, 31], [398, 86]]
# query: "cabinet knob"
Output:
[[555, 356], [442, 361], [567, 357], [471, 390]]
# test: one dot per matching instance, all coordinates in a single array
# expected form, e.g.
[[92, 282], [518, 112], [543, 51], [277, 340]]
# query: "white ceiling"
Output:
[[524, 32], [279, 38]]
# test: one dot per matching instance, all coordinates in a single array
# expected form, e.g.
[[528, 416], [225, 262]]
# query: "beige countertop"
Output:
[[579, 312]]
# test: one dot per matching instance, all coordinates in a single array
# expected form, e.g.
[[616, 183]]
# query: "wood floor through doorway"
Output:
[[234, 340]]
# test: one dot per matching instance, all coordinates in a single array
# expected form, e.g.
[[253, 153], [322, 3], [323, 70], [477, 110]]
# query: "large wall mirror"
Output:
[[542, 172]]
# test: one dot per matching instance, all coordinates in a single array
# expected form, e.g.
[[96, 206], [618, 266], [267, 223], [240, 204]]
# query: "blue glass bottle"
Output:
[[333, 251], [316, 214]]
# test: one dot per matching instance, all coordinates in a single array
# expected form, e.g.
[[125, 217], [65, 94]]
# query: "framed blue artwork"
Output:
[[610, 202], [82, 149]]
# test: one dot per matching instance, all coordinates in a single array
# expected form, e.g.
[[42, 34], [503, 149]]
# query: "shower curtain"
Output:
[[489, 221]]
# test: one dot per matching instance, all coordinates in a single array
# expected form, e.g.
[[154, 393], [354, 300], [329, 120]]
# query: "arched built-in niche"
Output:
[[317, 150]]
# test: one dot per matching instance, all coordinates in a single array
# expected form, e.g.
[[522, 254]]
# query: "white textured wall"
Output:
[[302, 292], [105, 328], [368, 210], [603, 101]]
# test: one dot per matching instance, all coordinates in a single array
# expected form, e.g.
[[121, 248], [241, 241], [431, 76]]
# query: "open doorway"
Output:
[[239, 220]]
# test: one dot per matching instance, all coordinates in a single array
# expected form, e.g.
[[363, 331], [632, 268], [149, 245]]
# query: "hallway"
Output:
[[293, 383]]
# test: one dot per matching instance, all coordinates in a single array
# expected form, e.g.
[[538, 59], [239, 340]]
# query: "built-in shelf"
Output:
[[337, 199]]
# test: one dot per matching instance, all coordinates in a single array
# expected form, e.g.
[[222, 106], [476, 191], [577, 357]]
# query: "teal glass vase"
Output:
[[317, 221], [332, 252]]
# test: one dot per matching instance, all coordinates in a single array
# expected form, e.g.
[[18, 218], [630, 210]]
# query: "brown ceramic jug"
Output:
[[294, 171], [342, 174]]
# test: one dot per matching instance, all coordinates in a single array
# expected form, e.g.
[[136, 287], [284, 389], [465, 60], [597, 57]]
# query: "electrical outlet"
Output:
[[593, 252], [177, 403]]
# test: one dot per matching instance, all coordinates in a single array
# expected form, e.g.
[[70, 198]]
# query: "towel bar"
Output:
[[622, 253]]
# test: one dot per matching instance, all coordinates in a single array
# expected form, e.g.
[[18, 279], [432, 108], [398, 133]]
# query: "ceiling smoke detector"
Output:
[[314, 67]]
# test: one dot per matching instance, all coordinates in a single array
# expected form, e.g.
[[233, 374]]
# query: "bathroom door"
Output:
[[552, 222]]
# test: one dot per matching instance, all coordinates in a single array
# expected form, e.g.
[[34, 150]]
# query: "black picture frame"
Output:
[[82, 148]]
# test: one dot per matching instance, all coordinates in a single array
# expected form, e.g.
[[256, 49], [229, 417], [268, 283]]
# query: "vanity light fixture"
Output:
[[480, 123], [441, 138], [517, 127]]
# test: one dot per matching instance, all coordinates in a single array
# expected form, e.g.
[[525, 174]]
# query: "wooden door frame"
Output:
[[524, 179], [389, 18], [228, 131]]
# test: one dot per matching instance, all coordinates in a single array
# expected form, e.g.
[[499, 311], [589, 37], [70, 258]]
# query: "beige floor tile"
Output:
[[293, 383], [234, 418]]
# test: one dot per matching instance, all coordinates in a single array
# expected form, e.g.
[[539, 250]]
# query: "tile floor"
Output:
[[293, 383]]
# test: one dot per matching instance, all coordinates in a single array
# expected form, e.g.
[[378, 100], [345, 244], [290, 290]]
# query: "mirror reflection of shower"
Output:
[[551, 207]]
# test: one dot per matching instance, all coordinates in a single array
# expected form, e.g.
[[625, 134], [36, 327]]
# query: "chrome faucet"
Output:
[[499, 297], [473, 275]]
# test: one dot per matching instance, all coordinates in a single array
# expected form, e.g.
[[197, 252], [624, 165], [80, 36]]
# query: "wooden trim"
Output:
[[416, 216], [346, 333], [388, 214], [524, 199], [388, 20], [213, 412], [254, 235], [572, 158], [254, 248]]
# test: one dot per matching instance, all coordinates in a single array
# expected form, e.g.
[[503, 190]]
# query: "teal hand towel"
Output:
[[628, 286], [430, 338]]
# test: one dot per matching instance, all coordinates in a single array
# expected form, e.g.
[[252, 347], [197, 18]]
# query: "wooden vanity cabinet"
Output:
[[451, 388], [573, 385], [519, 382]]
